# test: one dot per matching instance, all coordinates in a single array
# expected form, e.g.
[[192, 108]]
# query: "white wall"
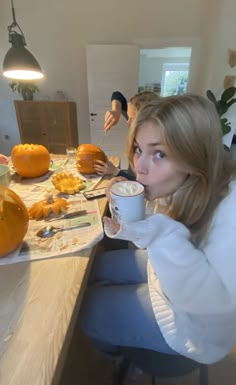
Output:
[[57, 32]]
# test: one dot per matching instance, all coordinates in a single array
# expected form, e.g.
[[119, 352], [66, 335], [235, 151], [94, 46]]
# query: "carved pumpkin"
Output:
[[47, 206], [30, 160], [13, 221], [86, 157]]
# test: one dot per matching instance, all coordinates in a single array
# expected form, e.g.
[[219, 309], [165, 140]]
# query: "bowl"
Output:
[[5, 175]]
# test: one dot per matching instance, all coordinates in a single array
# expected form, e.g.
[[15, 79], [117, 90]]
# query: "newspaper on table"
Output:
[[64, 242]]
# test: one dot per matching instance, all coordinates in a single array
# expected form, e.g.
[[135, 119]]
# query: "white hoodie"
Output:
[[192, 290]]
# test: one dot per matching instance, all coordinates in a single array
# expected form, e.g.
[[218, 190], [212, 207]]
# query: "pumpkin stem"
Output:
[[49, 196]]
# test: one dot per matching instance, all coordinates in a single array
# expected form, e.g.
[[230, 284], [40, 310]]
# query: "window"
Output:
[[174, 78]]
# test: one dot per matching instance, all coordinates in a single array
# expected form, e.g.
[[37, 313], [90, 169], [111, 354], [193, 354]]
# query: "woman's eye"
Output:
[[160, 155], [137, 150]]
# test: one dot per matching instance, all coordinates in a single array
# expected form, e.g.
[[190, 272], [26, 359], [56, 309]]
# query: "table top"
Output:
[[39, 303]]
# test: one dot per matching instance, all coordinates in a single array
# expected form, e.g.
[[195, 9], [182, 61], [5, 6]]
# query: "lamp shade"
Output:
[[19, 63]]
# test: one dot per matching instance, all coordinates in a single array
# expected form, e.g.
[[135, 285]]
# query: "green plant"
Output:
[[222, 105], [26, 88]]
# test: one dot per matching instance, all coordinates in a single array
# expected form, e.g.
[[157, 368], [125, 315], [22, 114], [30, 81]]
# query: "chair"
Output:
[[158, 365]]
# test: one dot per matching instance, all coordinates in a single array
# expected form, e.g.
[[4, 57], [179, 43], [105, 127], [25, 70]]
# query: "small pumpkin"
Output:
[[47, 206], [87, 155], [30, 160], [14, 221]]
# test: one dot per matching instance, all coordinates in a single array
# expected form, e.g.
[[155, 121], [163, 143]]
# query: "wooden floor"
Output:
[[86, 366]]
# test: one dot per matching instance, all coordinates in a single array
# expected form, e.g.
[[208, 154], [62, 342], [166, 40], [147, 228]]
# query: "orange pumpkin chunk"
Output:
[[47, 206]]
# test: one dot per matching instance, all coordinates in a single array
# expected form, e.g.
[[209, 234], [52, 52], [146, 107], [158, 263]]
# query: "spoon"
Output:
[[50, 231]]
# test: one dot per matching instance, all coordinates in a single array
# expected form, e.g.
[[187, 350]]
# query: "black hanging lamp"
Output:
[[19, 63]]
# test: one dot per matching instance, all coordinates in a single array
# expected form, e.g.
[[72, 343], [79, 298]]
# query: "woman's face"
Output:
[[154, 169], [131, 112]]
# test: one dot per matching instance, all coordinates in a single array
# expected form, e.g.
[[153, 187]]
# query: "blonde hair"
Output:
[[191, 131], [142, 98]]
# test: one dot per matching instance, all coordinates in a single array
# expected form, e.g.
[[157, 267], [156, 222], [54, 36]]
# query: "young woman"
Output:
[[112, 118], [178, 294]]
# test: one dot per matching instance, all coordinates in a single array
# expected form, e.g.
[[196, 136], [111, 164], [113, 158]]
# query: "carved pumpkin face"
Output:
[[86, 157], [13, 221], [30, 160]]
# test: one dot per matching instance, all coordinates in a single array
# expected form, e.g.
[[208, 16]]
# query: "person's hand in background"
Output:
[[105, 168], [111, 119], [3, 159]]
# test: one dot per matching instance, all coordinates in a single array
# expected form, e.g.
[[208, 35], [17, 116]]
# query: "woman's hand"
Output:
[[111, 225], [109, 186], [111, 119], [105, 168]]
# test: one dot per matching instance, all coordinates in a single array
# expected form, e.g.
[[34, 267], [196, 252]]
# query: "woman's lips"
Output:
[[145, 186]]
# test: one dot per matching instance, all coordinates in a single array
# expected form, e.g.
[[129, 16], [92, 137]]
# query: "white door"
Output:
[[110, 68]]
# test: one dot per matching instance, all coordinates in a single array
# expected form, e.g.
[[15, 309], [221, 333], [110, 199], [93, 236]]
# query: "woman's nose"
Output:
[[141, 166]]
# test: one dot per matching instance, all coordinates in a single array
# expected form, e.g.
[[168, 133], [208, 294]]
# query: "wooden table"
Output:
[[39, 303]]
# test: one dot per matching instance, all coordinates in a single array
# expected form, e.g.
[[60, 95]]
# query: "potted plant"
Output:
[[222, 105], [25, 88]]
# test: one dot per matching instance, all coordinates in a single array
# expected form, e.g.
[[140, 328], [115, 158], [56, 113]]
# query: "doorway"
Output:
[[164, 71], [129, 69]]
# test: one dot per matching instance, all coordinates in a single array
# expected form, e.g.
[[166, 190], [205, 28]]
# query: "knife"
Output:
[[103, 138], [69, 215]]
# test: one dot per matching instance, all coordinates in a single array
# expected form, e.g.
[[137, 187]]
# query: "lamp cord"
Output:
[[14, 24], [13, 14]]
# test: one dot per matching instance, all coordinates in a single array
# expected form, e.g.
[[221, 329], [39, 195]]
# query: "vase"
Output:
[[27, 94]]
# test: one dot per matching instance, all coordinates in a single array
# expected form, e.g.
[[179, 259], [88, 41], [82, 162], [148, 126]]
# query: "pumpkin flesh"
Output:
[[47, 206], [14, 221], [30, 160]]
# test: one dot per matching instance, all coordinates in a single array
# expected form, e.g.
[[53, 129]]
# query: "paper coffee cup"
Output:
[[127, 201]]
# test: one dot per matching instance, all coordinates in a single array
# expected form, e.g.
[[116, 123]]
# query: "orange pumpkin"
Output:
[[30, 160], [47, 206], [87, 155], [13, 221]]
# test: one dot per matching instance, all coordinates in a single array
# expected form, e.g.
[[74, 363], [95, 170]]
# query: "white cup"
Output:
[[127, 201]]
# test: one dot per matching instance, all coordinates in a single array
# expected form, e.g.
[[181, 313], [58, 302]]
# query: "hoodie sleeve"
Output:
[[196, 279], [143, 233]]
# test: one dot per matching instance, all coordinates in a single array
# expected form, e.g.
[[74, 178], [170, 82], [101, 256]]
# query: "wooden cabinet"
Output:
[[53, 124]]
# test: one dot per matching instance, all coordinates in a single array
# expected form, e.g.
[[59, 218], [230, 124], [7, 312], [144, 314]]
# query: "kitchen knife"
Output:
[[69, 215]]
